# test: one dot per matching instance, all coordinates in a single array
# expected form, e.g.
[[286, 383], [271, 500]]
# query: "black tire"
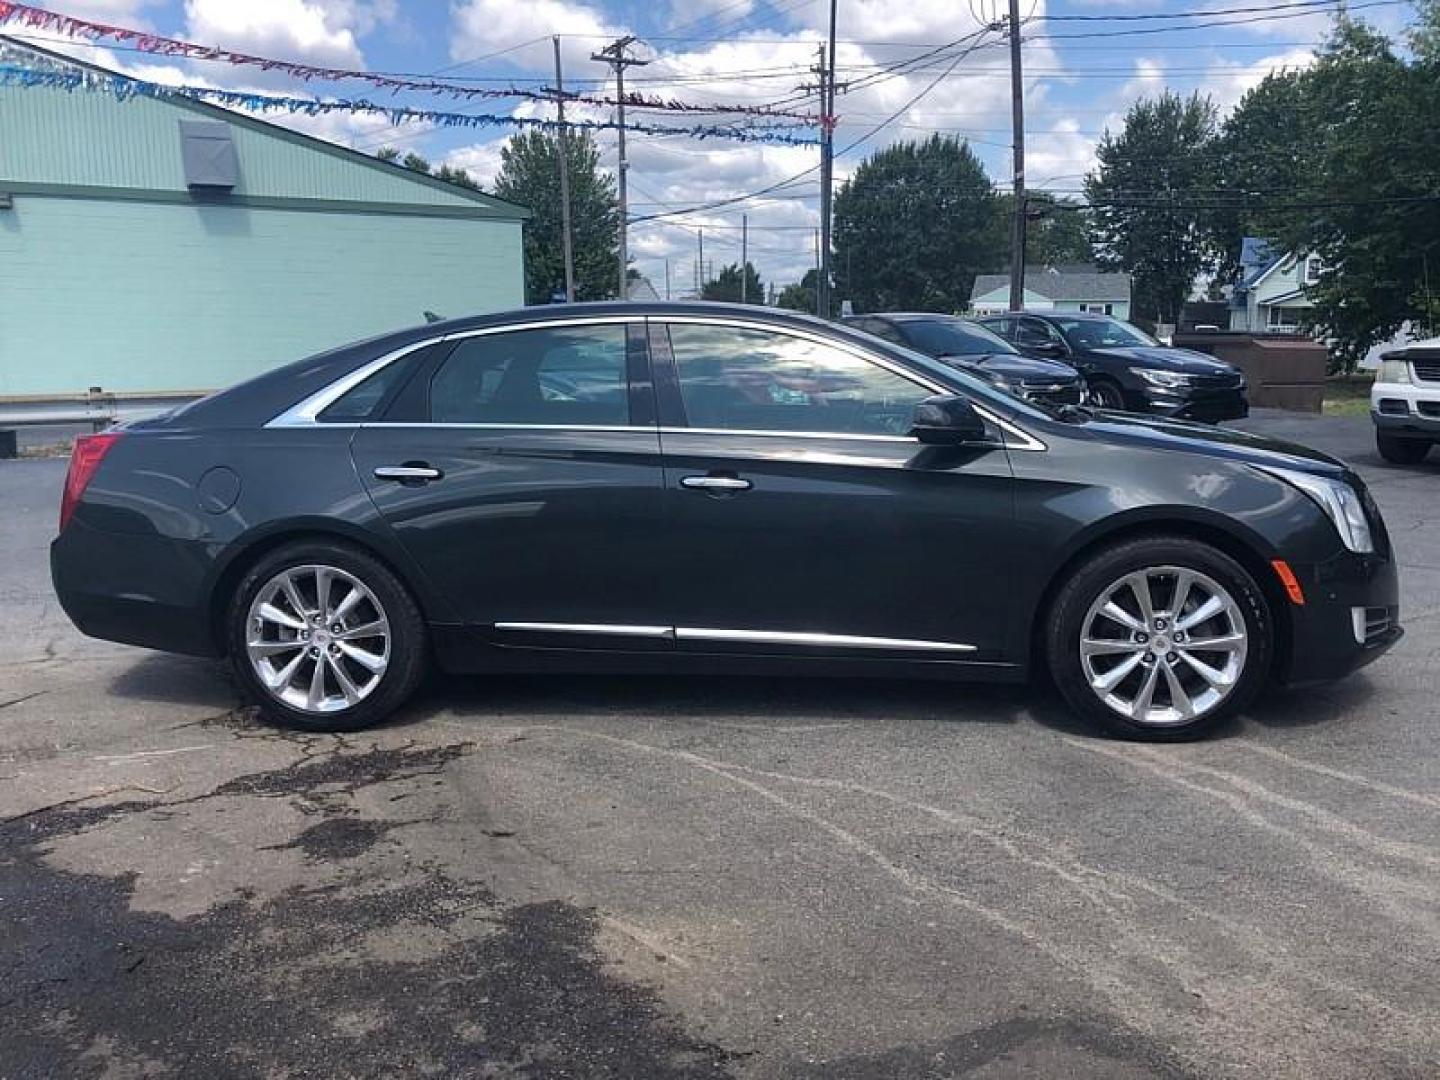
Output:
[[1107, 395], [1401, 451], [407, 643], [1097, 574]]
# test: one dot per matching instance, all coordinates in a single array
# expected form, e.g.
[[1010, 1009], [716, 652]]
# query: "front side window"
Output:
[[740, 379], [565, 376]]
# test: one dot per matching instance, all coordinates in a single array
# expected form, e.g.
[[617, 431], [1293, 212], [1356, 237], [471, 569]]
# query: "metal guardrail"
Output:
[[97, 408]]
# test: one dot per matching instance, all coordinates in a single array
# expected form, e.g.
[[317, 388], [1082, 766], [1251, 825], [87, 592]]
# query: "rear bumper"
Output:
[[134, 589], [1350, 618]]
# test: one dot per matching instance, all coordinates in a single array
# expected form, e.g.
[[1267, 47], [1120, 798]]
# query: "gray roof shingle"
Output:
[[1067, 284]]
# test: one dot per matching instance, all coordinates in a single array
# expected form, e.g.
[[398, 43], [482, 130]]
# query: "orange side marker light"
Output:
[[1291, 583]]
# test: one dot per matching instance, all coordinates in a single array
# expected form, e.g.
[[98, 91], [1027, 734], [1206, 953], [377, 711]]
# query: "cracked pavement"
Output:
[[606, 877]]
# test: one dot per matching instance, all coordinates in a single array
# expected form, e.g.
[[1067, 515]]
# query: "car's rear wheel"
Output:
[[1401, 451], [1159, 638], [325, 637]]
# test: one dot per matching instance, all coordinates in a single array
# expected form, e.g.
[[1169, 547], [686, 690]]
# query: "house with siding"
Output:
[[1270, 294], [164, 245], [1056, 288]]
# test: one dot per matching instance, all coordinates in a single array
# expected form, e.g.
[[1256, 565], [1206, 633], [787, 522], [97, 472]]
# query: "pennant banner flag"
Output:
[[73, 26], [123, 87]]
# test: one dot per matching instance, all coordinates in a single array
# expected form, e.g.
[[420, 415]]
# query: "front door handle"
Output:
[[722, 485], [408, 474]]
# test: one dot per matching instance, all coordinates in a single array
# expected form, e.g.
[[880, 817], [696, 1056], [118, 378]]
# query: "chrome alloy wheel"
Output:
[[317, 638], [1163, 646]]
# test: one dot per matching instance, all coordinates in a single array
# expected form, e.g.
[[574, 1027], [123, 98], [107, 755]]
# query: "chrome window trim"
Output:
[[787, 637], [306, 413], [1024, 440]]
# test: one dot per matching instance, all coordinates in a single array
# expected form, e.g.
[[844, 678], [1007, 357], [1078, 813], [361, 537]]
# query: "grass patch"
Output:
[[1347, 395]]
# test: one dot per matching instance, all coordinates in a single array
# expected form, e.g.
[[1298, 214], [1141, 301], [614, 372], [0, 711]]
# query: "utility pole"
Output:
[[744, 257], [614, 55], [667, 277], [826, 73], [1017, 122], [700, 265], [564, 155], [817, 272]]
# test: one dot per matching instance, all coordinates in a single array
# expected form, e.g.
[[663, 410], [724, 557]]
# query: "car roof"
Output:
[[911, 316], [1092, 315]]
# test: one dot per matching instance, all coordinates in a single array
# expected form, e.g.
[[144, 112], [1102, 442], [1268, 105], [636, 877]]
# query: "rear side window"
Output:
[[572, 375], [363, 402]]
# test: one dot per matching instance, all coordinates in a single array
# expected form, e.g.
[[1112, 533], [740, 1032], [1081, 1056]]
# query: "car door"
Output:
[[800, 515], [521, 468]]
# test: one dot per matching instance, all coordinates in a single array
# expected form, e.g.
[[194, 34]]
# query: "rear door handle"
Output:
[[718, 484], [414, 474]]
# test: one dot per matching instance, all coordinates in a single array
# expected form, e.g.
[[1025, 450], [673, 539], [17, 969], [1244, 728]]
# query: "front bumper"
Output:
[[1055, 393], [1406, 409], [1207, 406], [1350, 618]]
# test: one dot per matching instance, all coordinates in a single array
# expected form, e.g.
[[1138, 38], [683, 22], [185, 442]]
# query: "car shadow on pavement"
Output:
[[710, 697], [183, 680], [177, 680]]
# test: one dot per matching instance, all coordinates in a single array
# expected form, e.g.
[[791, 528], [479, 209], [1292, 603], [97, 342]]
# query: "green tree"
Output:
[[1148, 196], [416, 163], [913, 226], [529, 175], [799, 297], [1365, 197], [1056, 234], [727, 286]]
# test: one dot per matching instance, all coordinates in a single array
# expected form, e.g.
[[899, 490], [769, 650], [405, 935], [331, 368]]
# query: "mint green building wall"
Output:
[[139, 296], [113, 274]]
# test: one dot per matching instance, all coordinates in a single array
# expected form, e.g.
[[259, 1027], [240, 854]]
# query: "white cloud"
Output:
[[311, 31], [483, 27], [1226, 86]]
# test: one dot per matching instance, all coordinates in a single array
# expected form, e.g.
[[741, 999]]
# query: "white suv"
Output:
[[1405, 402]]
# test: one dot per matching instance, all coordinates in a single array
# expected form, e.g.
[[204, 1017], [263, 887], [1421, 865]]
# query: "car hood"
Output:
[[1014, 366], [1168, 359], [1222, 442]]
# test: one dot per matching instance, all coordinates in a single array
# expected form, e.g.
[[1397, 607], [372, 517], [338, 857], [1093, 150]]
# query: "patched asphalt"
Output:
[[607, 877]]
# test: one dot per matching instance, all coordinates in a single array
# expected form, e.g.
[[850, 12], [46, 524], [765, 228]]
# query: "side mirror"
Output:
[[948, 420], [1050, 350]]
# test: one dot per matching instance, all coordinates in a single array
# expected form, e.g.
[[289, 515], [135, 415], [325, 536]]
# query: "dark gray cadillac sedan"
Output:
[[707, 488]]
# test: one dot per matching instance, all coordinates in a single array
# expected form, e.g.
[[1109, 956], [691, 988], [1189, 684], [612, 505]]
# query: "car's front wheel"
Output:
[[1105, 394], [1159, 638], [325, 637], [1400, 451]]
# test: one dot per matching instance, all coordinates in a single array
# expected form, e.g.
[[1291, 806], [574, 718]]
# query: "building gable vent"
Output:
[[208, 154]]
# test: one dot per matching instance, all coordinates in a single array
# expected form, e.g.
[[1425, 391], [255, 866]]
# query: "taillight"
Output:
[[89, 451]]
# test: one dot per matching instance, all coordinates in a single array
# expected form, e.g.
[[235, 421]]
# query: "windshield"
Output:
[[1103, 333], [953, 337]]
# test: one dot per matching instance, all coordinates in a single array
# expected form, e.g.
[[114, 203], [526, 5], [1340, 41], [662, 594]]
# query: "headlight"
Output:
[[1170, 380], [1393, 371], [1339, 500]]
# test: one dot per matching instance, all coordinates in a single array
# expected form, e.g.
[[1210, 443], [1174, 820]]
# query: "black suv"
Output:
[[1127, 369], [972, 348]]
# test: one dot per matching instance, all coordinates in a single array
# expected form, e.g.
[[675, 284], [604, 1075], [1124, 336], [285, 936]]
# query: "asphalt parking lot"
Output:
[[704, 878]]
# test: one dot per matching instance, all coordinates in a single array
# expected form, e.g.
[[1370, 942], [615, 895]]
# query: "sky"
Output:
[[1084, 60]]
